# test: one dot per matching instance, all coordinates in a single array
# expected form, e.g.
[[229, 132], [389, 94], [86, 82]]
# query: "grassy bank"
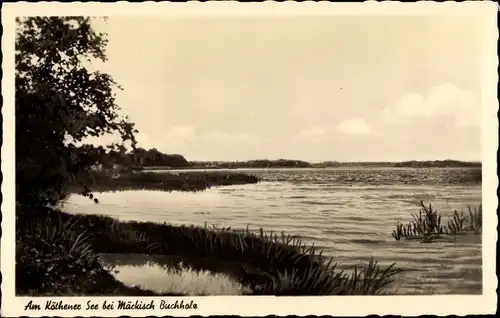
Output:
[[162, 181], [268, 264], [56, 259], [428, 225]]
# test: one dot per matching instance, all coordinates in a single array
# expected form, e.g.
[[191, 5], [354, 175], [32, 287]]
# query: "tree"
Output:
[[60, 102], [154, 157]]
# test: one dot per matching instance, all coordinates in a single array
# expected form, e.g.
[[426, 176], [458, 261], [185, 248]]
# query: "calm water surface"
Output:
[[349, 213]]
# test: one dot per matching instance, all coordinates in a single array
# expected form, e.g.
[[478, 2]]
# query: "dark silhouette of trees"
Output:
[[154, 157], [437, 164], [60, 102], [261, 163], [138, 157]]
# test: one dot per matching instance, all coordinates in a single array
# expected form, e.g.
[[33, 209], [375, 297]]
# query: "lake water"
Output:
[[349, 213], [154, 273]]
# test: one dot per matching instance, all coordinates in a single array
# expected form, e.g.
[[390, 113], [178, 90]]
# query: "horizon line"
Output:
[[341, 162]]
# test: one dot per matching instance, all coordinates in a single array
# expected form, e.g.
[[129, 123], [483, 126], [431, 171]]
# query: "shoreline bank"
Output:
[[268, 264], [167, 181]]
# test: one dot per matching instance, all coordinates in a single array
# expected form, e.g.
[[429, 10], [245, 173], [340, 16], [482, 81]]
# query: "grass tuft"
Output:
[[328, 281], [427, 225]]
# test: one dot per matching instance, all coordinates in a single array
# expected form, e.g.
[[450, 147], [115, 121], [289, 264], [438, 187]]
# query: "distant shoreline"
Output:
[[284, 163]]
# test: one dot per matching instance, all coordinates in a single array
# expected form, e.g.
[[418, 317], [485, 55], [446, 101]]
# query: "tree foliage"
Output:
[[139, 157], [59, 103], [154, 157]]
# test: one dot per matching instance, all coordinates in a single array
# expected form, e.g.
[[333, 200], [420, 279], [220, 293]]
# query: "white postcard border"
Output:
[[253, 305]]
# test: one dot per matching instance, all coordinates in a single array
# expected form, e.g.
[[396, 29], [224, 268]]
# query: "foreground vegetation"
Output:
[[428, 225], [53, 258], [56, 249]]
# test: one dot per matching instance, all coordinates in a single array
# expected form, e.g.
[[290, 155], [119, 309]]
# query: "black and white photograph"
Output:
[[313, 154]]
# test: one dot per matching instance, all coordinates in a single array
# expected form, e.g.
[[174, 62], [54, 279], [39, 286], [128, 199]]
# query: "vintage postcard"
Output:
[[227, 158]]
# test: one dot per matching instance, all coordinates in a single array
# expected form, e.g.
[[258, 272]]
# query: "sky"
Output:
[[342, 88]]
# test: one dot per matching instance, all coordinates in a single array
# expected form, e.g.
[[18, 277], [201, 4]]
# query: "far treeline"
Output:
[[141, 158], [282, 163]]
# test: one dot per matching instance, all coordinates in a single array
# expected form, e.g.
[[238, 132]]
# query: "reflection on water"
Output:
[[151, 273], [350, 214]]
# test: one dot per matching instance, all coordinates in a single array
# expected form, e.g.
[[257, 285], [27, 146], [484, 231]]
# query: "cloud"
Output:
[[181, 132], [354, 126], [175, 139], [144, 141], [311, 132], [221, 136], [444, 100]]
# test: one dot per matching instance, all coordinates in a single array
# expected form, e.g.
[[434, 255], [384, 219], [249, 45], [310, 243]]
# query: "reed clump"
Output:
[[268, 263], [326, 280], [429, 225]]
